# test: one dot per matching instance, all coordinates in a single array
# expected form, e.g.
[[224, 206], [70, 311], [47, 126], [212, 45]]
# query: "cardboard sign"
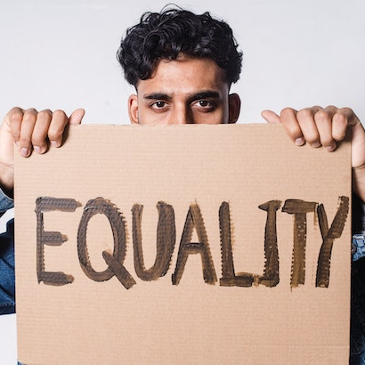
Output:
[[183, 244]]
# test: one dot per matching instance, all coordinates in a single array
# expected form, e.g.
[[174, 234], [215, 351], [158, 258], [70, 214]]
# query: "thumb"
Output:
[[270, 116], [76, 116]]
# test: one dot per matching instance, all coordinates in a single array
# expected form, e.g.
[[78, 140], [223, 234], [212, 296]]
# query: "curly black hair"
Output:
[[172, 32]]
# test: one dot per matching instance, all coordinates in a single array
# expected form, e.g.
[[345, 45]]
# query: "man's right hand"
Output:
[[31, 131]]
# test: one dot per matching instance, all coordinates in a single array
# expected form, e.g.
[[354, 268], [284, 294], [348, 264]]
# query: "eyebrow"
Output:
[[198, 96], [204, 95], [157, 96]]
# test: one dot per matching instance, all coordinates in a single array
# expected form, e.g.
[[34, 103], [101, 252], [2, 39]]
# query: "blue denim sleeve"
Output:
[[7, 276], [357, 343], [6, 203]]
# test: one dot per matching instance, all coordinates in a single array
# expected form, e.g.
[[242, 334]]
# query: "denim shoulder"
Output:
[[358, 228]]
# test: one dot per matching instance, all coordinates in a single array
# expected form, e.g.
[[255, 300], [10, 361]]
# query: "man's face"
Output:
[[184, 91]]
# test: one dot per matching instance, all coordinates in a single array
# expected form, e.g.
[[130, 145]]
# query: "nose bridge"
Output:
[[181, 114]]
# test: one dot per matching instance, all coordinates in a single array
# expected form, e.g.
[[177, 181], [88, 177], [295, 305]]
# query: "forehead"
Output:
[[185, 75]]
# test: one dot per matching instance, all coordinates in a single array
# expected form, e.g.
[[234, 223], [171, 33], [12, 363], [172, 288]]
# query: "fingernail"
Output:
[[54, 144], [330, 148], [299, 141], [316, 144], [37, 149], [24, 152]]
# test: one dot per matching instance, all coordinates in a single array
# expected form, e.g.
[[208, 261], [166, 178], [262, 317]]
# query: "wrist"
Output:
[[7, 180], [358, 178]]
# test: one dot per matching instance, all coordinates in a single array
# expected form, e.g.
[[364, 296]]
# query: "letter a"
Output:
[[193, 220]]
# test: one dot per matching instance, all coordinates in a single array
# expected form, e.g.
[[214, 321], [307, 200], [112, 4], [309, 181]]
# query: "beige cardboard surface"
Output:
[[180, 318]]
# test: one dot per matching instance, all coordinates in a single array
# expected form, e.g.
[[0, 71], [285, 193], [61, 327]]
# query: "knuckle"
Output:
[[321, 115], [326, 141], [16, 110], [312, 140], [16, 135], [346, 111], [340, 118], [30, 115], [287, 112], [53, 134], [31, 111], [15, 115], [44, 115], [305, 113], [339, 136], [37, 141], [346, 115], [59, 114], [24, 141]]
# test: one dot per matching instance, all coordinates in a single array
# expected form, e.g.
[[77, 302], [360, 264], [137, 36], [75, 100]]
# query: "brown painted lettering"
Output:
[[328, 237], [299, 209], [271, 269], [165, 243], [114, 261], [271, 275], [229, 277], [166, 239], [49, 238], [195, 220]]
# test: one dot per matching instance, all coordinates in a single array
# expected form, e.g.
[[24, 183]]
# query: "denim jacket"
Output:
[[6, 203], [7, 276], [358, 228], [357, 332]]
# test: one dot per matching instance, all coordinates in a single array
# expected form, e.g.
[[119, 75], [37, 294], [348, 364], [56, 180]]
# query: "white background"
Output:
[[60, 54]]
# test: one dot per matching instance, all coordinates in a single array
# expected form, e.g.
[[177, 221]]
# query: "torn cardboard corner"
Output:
[[183, 244]]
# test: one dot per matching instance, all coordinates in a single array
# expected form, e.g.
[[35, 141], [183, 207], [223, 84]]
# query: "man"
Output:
[[182, 66]]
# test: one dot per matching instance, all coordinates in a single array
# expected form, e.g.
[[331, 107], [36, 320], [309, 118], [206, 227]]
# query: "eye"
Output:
[[158, 104], [205, 105]]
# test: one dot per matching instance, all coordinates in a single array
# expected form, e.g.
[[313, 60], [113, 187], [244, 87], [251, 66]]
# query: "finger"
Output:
[[26, 132], [324, 121], [308, 126], [57, 127], [40, 132], [341, 120], [288, 118], [351, 116], [13, 121], [348, 117], [76, 116], [270, 116]]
